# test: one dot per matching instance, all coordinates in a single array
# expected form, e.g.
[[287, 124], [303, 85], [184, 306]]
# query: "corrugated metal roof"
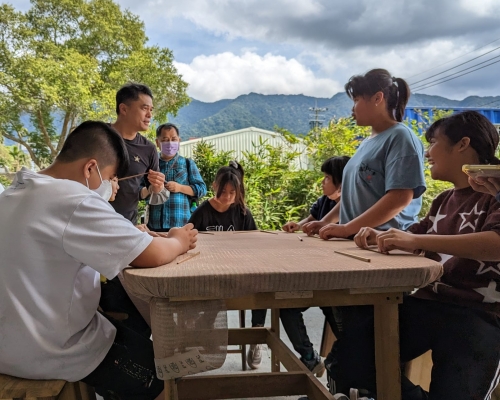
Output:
[[243, 140]]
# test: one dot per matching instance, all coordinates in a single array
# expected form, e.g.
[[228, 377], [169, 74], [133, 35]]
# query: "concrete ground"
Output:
[[314, 320]]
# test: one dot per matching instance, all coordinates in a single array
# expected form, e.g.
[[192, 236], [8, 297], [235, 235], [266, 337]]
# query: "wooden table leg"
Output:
[[243, 347], [387, 352], [171, 390], [275, 327]]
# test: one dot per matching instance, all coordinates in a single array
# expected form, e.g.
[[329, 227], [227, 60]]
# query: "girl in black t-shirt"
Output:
[[227, 211]]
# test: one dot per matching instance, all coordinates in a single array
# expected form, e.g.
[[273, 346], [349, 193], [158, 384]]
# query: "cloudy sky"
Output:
[[225, 48]]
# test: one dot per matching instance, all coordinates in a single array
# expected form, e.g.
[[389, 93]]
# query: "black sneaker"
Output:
[[315, 364]]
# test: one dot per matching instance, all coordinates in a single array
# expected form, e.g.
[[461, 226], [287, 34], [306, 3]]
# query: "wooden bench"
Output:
[[12, 388], [419, 372]]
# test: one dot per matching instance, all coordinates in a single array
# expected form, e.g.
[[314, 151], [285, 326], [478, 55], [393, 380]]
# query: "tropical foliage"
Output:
[[276, 190]]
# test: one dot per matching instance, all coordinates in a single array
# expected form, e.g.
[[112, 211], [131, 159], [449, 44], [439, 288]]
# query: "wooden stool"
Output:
[[12, 388], [419, 370], [242, 348], [327, 340]]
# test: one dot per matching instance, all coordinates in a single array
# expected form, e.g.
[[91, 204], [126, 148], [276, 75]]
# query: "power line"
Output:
[[466, 73], [456, 66], [456, 58], [454, 73]]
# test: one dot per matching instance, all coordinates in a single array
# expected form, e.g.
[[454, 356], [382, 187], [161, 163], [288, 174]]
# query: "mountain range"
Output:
[[291, 112]]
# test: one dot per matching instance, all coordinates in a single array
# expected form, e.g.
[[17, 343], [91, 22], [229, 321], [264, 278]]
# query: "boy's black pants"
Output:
[[465, 346], [114, 298], [293, 322]]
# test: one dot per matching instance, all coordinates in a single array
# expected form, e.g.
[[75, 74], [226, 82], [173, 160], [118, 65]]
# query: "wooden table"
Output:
[[261, 270]]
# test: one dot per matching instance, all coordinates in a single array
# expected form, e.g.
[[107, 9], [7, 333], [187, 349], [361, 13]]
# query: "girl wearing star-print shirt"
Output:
[[456, 317]]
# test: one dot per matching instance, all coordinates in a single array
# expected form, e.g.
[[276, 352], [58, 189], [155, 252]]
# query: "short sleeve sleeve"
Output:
[[197, 217], [249, 222], [315, 209], [492, 222], [99, 237], [406, 154]]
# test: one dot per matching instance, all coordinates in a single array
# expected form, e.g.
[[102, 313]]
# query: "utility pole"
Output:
[[316, 116]]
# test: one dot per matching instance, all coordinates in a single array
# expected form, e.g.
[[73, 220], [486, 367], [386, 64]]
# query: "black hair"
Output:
[[95, 139], [167, 127], [481, 132], [234, 175], [334, 167], [130, 92], [396, 91]]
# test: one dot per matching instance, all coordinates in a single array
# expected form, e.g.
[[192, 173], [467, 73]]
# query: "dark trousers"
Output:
[[114, 298], [259, 317], [128, 370], [465, 346], [293, 322]]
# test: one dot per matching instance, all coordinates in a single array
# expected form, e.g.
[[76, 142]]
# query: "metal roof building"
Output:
[[243, 140]]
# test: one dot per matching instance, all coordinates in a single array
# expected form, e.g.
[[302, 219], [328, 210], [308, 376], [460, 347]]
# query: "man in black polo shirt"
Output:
[[134, 107]]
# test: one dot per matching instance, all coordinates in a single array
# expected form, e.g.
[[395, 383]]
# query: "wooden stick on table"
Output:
[[188, 258], [365, 259], [133, 176]]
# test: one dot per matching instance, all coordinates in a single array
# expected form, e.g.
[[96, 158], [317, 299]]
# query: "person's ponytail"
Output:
[[403, 95]]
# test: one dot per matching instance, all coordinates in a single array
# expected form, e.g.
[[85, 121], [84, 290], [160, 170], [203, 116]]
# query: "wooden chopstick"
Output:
[[188, 258], [206, 233], [365, 259], [274, 233], [375, 250], [133, 176]]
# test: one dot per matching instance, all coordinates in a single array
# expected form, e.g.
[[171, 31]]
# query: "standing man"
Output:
[[134, 107]]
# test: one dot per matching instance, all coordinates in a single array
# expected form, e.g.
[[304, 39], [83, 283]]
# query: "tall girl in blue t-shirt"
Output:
[[384, 180]]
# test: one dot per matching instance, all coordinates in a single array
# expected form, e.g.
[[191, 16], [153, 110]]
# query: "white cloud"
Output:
[[227, 75], [482, 8]]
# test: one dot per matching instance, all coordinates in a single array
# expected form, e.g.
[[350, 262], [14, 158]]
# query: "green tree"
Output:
[[62, 61]]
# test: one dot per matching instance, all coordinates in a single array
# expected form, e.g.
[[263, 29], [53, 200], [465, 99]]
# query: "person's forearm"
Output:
[[390, 205], [144, 193], [484, 246], [310, 218], [159, 252], [333, 216], [186, 190]]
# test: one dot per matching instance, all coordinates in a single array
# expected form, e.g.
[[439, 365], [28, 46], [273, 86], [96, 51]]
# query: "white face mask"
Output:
[[105, 190]]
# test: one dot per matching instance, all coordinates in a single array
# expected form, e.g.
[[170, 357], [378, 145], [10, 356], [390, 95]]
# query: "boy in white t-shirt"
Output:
[[56, 235]]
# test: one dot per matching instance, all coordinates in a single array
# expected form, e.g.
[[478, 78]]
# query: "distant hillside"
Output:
[[200, 119]]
